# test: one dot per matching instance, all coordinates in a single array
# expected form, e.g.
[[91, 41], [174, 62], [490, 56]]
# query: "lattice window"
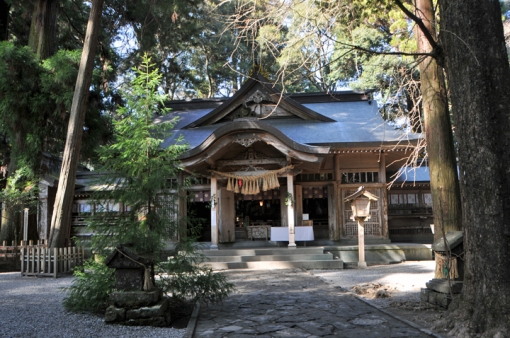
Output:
[[372, 225], [201, 196], [314, 177], [360, 177], [427, 200]]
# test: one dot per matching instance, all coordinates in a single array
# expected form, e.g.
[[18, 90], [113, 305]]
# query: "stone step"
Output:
[[273, 265], [263, 252], [295, 257]]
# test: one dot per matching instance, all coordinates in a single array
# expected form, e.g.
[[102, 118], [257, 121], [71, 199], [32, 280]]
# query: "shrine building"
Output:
[[276, 168]]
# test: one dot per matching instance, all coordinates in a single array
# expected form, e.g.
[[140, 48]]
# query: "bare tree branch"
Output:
[[435, 47]]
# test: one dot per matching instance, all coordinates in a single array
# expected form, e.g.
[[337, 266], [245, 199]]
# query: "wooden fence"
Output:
[[41, 261], [10, 254]]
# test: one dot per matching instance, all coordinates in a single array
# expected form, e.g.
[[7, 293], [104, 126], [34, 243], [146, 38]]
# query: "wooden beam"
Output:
[[280, 161]]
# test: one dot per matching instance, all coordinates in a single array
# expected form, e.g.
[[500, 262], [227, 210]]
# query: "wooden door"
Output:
[[227, 214]]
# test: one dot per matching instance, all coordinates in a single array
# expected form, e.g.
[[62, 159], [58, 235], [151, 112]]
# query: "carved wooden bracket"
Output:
[[246, 142]]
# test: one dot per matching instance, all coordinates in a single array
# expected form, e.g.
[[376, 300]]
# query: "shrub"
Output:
[[183, 278], [91, 288]]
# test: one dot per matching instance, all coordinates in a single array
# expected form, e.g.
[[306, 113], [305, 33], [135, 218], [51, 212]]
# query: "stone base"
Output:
[[442, 285], [138, 308], [438, 291], [435, 298], [134, 299]]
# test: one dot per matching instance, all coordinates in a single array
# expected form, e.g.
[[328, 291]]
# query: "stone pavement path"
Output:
[[293, 303]]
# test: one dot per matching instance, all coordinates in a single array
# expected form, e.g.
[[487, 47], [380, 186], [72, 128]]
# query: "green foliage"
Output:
[[35, 98], [92, 285], [21, 100], [183, 278], [21, 191], [138, 172], [139, 169]]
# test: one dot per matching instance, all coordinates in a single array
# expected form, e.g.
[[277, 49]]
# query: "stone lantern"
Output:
[[360, 205], [135, 301], [130, 269], [449, 276]]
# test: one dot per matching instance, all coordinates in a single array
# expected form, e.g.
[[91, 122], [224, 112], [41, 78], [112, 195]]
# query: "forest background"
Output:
[[208, 48]]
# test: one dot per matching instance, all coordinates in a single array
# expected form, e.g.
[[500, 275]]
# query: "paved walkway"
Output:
[[292, 303]]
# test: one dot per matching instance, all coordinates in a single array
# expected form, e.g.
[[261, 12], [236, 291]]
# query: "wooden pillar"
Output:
[[214, 213], [43, 210], [333, 211], [290, 210], [336, 221], [338, 174], [226, 216], [298, 217], [383, 201], [382, 167], [182, 207], [283, 208], [361, 242]]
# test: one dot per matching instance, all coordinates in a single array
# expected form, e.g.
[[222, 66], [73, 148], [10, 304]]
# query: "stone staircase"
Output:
[[271, 258]]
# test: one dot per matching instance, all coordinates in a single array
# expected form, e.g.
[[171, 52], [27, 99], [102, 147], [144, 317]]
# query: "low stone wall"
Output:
[[386, 253]]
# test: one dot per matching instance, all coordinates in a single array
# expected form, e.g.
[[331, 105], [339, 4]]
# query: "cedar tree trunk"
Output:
[[60, 231], [478, 76], [444, 183], [4, 20], [43, 28]]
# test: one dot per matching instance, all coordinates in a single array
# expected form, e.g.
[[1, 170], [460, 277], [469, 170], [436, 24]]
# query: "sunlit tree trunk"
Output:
[[444, 183], [61, 219], [478, 76]]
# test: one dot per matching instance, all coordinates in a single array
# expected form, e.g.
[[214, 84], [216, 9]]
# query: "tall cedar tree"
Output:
[[478, 76], [444, 183], [61, 218], [139, 170]]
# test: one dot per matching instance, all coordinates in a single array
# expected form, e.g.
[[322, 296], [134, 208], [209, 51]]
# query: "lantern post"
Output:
[[360, 205]]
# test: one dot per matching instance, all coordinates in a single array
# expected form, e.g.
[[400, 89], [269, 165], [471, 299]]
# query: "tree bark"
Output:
[[61, 219], [43, 28], [479, 80], [4, 20], [444, 183], [10, 229]]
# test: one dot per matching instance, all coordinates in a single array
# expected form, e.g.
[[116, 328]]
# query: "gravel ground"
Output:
[[32, 307]]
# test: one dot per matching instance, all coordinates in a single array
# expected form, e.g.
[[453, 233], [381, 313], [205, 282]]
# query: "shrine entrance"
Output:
[[200, 214], [256, 214], [251, 210]]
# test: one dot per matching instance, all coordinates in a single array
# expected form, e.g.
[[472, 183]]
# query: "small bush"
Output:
[[91, 288], [182, 278]]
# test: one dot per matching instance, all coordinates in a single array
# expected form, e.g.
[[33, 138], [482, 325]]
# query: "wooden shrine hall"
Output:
[[277, 167]]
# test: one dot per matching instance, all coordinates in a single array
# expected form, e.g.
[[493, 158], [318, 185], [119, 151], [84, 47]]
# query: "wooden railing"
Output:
[[10, 254], [51, 262]]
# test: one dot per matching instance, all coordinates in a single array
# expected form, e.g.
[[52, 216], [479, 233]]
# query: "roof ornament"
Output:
[[246, 142], [256, 105]]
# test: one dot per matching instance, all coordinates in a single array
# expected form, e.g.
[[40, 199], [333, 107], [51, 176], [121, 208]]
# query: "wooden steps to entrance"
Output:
[[271, 258]]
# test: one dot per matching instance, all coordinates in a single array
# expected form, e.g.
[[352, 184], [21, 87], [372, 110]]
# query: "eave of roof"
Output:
[[245, 125], [257, 81]]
